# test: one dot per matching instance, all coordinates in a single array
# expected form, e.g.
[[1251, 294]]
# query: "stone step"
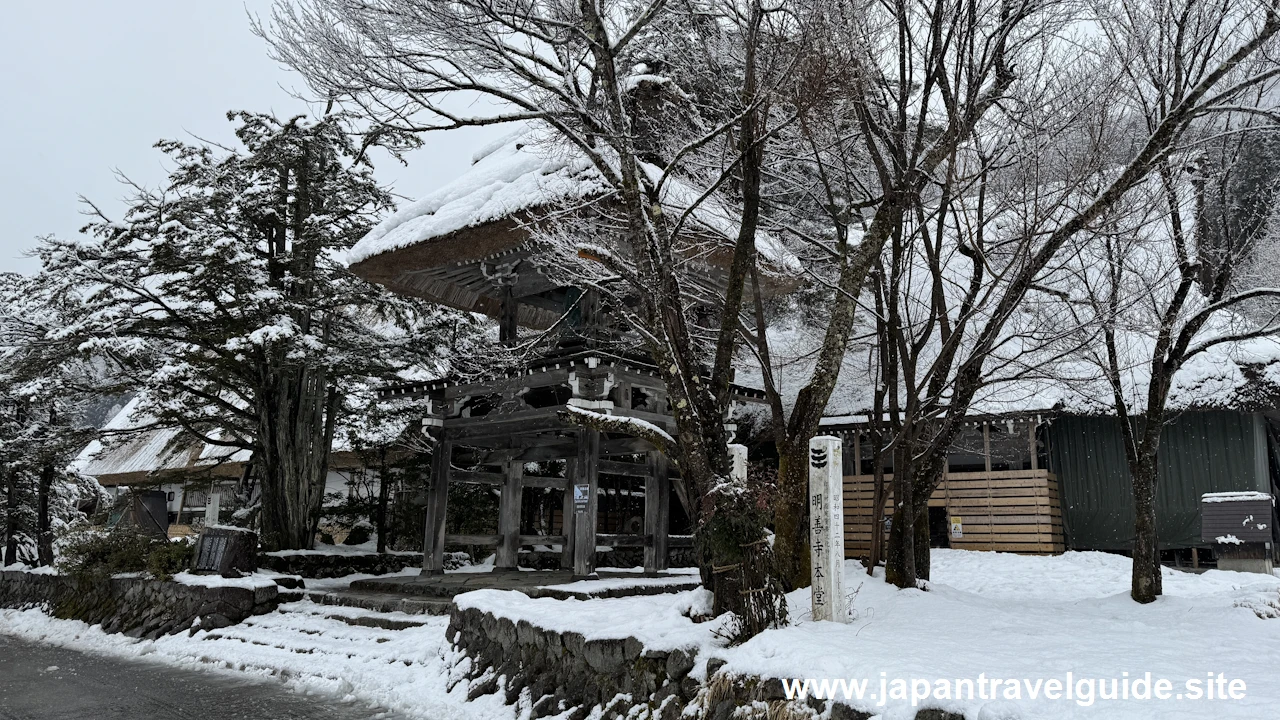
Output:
[[385, 602], [375, 621]]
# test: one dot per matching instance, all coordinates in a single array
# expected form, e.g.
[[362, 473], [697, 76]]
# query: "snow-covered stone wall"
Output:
[[137, 606], [555, 672], [545, 672]]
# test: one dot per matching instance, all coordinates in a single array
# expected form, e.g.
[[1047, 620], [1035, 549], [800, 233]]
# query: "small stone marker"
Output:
[[738, 456], [212, 509], [826, 529]]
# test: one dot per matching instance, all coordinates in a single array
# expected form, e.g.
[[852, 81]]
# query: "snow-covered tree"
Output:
[[225, 295], [1176, 325], [43, 396], [984, 255]]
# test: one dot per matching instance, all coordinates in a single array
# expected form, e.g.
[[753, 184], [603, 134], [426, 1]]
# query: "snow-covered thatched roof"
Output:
[[133, 452], [487, 215], [508, 179], [1050, 353]]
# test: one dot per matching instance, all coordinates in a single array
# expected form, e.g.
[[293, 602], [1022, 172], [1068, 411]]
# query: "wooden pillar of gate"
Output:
[[657, 512], [508, 553], [437, 503], [585, 498], [566, 514]]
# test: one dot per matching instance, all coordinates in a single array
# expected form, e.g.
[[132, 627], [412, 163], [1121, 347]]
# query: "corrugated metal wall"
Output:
[[1200, 452]]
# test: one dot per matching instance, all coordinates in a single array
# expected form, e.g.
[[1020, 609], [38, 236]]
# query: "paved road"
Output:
[[49, 683]]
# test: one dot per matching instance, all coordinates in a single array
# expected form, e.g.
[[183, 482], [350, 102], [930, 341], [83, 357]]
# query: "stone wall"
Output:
[[561, 671], [138, 607], [331, 566], [550, 673]]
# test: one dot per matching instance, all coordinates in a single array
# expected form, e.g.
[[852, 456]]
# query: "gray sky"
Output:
[[87, 87]]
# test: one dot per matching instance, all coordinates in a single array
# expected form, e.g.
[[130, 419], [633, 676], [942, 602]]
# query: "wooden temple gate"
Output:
[[495, 427]]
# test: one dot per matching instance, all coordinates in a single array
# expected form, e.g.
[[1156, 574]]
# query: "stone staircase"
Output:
[[433, 595]]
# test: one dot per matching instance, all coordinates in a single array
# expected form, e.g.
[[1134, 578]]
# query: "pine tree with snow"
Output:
[[43, 395], [225, 292]]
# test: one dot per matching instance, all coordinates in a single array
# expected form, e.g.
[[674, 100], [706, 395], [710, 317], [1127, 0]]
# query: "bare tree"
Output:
[[920, 86], [1163, 286], [605, 79], [1056, 186]]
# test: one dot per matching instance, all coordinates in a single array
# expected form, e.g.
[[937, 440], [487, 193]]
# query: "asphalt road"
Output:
[[50, 683]]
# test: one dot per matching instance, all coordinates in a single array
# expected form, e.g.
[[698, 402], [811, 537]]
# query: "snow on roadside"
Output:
[[404, 671], [1002, 615], [657, 621], [1011, 616], [248, 582]]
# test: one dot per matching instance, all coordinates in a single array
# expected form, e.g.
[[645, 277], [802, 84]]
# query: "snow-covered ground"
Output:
[[991, 614], [1004, 616], [305, 647], [1020, 617]]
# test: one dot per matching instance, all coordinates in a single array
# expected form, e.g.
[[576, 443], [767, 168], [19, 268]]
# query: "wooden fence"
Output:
[[1006, 510]]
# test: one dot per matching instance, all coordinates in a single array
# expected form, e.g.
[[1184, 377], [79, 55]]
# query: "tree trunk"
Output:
[[922, 544], [383, 495], [11, 519], [907, 555], [44, 523], [900, 555], [877, 501], [294, 444], [791, 518], [1147, 584]]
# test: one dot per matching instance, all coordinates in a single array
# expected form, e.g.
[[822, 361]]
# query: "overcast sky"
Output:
[[87, 87]]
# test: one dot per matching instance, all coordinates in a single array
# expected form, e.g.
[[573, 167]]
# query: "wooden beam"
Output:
[[680, 541], [437, 503], [509, 519], [612, 540], [625, 446], [554, 483], [1035, 456], [541, 540], [502, 425], [508, 327], [515, 381], [477, 477], [567, 515], [473, 539], [630, 469]]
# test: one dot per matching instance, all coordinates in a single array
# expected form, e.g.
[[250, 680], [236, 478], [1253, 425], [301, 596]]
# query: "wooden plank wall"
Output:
[[1008, 510]]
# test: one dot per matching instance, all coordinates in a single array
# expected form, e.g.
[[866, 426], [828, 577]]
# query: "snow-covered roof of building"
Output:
[[508, 178], [133, 451], [1050, 354], [486, 215]]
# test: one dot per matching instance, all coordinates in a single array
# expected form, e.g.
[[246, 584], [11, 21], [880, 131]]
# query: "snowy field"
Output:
[[1003, 616]]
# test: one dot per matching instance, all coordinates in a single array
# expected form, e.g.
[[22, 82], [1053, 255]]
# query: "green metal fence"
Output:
[[1200, 452]]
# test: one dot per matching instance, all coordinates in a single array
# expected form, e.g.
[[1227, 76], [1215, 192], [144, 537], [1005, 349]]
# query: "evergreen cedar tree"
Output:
[[223, 293]]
